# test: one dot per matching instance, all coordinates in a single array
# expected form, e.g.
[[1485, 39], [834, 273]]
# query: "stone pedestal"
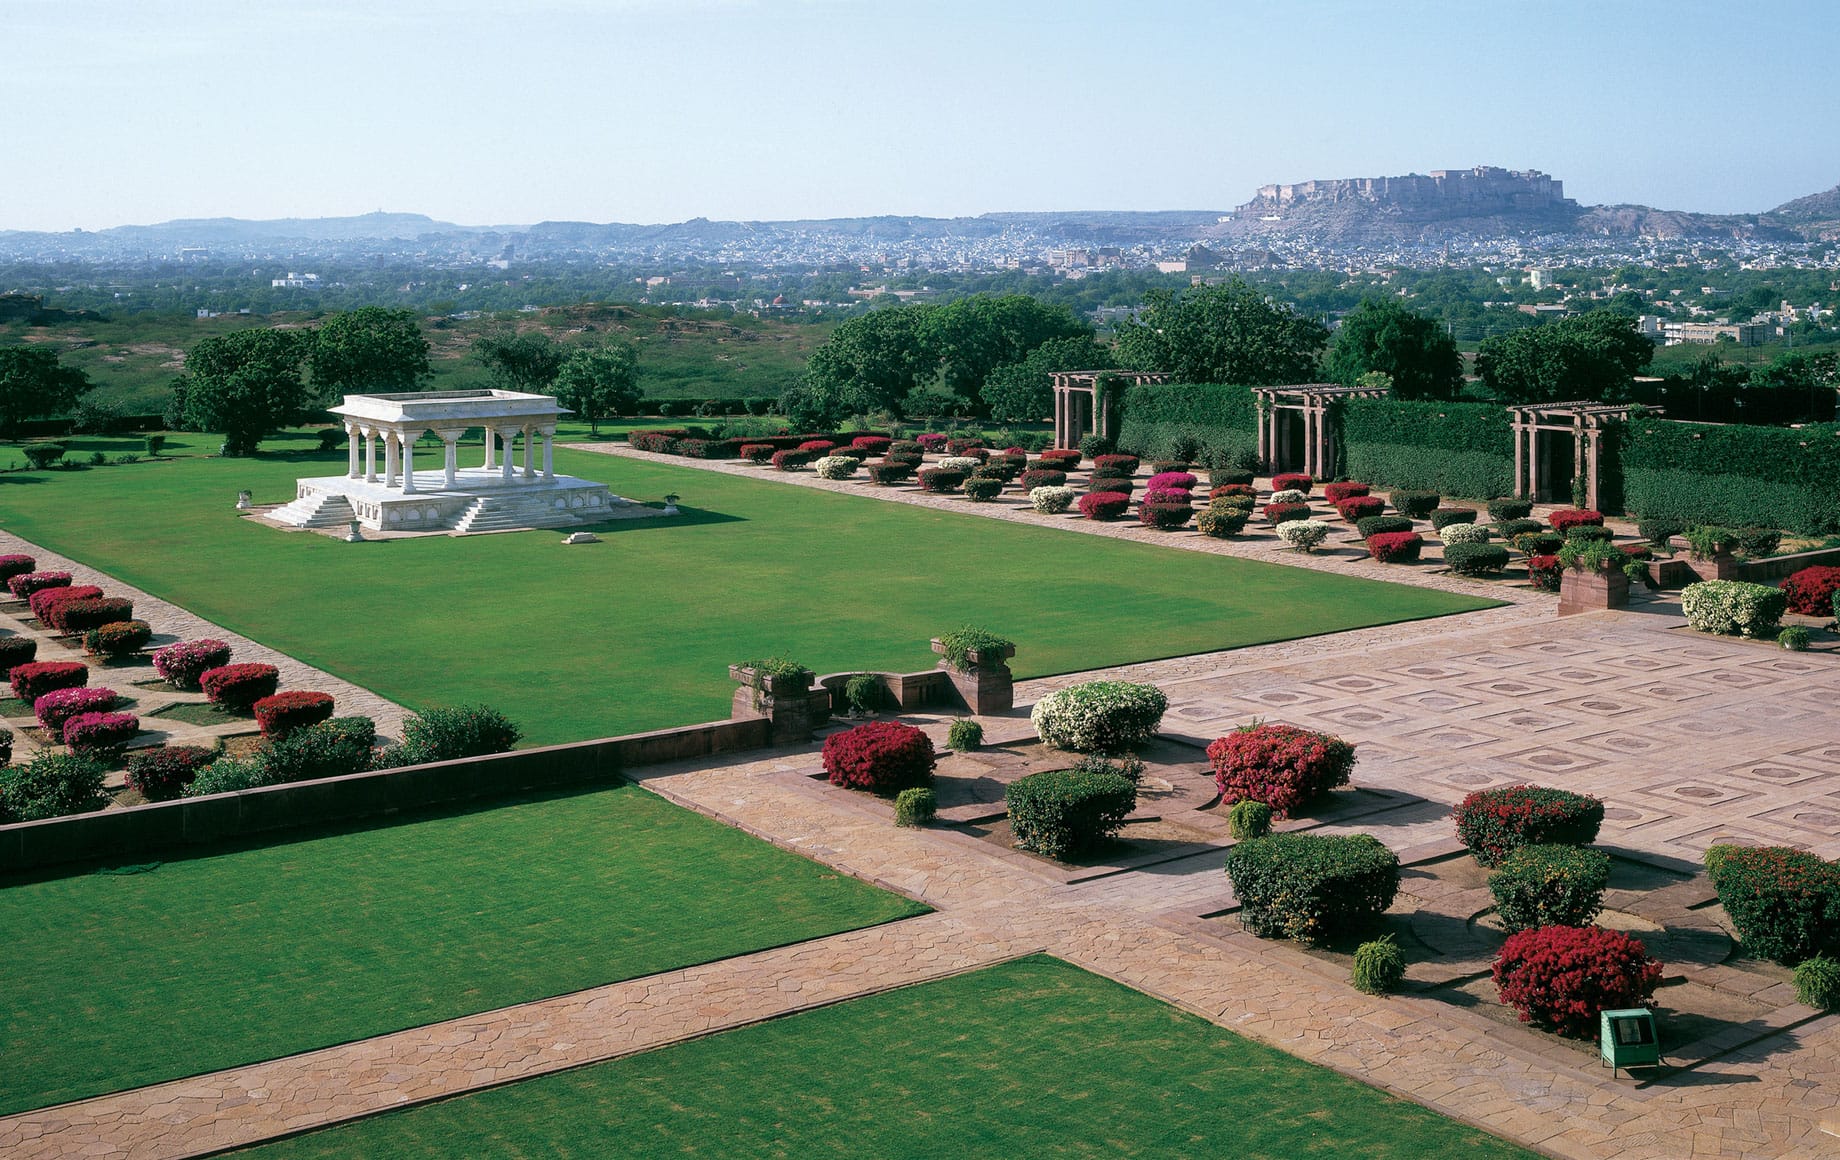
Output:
[[1592, 591], [985, 686], [790, 703]]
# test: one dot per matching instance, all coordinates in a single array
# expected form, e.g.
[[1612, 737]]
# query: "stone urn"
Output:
[[985, 685], [1582, 591]]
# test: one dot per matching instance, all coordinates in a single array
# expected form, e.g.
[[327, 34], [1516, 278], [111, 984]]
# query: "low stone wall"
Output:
[[135, 832], [1770, 569], [1683, 569]]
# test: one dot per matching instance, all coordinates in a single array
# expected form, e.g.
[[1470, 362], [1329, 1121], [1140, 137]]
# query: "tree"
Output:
[[33, 382], [870, 363], [369, 351], [1416, 351], [520, 362], [597, 382], [974, 336], [1227, 333], [247, 384], [1593, 357], [1023, 392]]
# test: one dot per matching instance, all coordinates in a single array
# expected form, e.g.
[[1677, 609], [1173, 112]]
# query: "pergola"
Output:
[[1313, 403], [1585, 422], [1076, 403], [399, 420]]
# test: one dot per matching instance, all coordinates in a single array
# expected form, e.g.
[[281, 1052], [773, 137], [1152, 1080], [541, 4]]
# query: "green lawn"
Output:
[[1032, 1058], [636, 633], [116, 980]]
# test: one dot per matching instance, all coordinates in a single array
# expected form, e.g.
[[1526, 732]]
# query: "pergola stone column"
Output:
[[1585, 422], [529, 470], [1316, 403], [391, 457], [408, 440], [1078, 408]]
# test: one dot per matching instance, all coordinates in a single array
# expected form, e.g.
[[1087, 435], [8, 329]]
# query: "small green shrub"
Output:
[[42, 455], [915, 806], [1060, 813], [1733, 607], [982, 489], [1311, 887], [1248, 819], [1817, 983], [447, 734], [1099, 716], [1379, 966], [1550, 886], [1415, 504], [1510, 509], [154, 444], [332, 748], [960, 645], [1509, 530], [964, 735], [1784, 902], [1794, 638], [1130, 767], [1381, 525], [863, 693], [1447, 517], [1221, 521], [51, 785], [1093, 446], [227, 775], [1659, 530], [1475, 559]]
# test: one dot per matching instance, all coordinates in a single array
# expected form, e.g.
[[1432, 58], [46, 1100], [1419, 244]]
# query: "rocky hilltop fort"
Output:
[[1484, 191]]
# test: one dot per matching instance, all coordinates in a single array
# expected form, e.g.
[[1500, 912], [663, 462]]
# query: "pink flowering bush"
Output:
[[60, 705], [100, 734], [26, 583], [33, 680], [182, 664]]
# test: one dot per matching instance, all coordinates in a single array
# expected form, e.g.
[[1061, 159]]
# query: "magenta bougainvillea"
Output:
[[183, 663], [1335, 493], [1565, 519], [32, 681], [1395, 547], [283, 713], [239, 686]]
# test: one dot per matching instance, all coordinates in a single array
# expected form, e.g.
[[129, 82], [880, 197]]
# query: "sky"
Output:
[[488, 112]]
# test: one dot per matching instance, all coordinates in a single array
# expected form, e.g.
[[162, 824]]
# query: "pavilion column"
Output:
[[408, 461], [529, 471], [508, 458], [450, 443], [549, 454], [487, 465], [392, 453], [370, 456], [352, 470]]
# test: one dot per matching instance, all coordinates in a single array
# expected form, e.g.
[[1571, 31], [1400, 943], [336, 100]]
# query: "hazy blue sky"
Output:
[[657, 110]]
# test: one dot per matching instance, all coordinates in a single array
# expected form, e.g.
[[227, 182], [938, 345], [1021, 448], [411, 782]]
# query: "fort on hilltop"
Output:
[[1483, 191]]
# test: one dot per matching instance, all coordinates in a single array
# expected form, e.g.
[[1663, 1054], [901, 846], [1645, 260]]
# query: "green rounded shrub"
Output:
[[1248, 819], [1220, 521], [981, 489], [1060, 813], [1415, 504], [915, 806], [332, 748], [227, 775], [1446, 517], [448, 734], [1509, 529], [1475, 559], [51, 785], [1381, 525], [1550, 886], [1312, 887], [1784, 902], [1817, 983], [1379, 966], [1099, 716], [964, 735], [1794, 638], [1510, 509]]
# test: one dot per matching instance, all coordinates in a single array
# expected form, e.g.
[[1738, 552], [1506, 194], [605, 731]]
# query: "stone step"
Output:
[[320, 510], [503, 513]]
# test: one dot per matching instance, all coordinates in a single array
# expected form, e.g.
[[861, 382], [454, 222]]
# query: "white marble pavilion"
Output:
[[386, 492]]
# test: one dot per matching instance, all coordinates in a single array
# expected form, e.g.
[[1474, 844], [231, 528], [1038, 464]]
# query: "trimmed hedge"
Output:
[[1303, 535], [882, 757], [1734, 475], [1415, 505], [1277, 513], [1494, 823], [1293, 481], [1051, 501], [26, 583], [1550, 886], [940, 480], [915, 806], [451, 732], [1361, 507], [1465, 534], [1036, 477], [43, 603], [1446, 517], [1164, 516], [335, 748], [1509, 508], [1104, 505], [1475, 559], [1157, 418], [982, 489], [15, 651], [1099, 716], [1454, 448], [1380, 525], [1565, 519], [77, 616], [15, 565], [1221, 522], [1784, 902], [120, 639], [1733, 607], [33, 680], [102, 734], [1280, 765], [1061, 813], [182, 664], [1335, 493], [58, 706], [239, 686], [887, 473], [283, 713], [1564, 977], [1312, 887], [1395, 547]]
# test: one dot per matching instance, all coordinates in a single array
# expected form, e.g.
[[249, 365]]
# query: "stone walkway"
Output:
[[172, 623], [1690, 740]]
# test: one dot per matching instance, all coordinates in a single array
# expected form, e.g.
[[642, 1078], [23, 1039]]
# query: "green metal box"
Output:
[[1627, 1038]]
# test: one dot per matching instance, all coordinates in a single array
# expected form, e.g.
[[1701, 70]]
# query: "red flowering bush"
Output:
[[965, 446], [1036, 477], [40, 602], [1165, 517], [931, 442], [75, 616], [32, 681], [183, 663], [16, 650], [162, 774], [1227, 489], [1785, 902], [1185, 480], [1065, 458], [657, 442], [757, 453], [1168, 495], [1278, 513], [1335, 493], [1395, 547], [26, 583], [791, 460], [100, 734], [940, 480], [883, 757], [1280, 765], [872, 444], [11, 566], [1359, 507], [1564, 977], [283, 713], [1811, 591], [1494, 823], [1111, 483], [1292, 480], [1115, 464], [817, 447], [1104, 505], [1636, 551], [239, 686], [1564, 519], [1545, 572], [888, 472], [60, 705]]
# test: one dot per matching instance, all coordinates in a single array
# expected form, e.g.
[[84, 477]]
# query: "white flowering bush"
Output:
[[966, 463], [1289, 495], [1303, 535], [836, 467], [1733, 608], [1099, 716], [1465, 534], [1051, 501]]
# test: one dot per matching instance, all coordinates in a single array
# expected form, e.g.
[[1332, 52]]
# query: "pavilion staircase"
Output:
[[505, 513], [320, 510]]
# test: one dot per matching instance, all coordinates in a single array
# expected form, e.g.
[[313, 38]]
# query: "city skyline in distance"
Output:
[[643, 111]]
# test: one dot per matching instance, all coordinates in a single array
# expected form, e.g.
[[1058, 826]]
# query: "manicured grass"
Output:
[[116, 980], [637, 632], [1032, 1058]]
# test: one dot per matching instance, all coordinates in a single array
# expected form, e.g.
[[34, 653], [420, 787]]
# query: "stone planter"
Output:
[[1592, 591], [986, 686], [789, 702]]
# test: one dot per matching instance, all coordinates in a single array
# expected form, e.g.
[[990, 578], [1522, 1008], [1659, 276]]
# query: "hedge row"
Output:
[[1223, 419], [1464, 449], [1734, 476]]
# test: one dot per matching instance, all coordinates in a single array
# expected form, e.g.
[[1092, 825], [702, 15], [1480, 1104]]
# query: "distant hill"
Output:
[[1816, 216]]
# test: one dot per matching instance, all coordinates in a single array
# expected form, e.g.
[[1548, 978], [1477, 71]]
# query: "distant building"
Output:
[[295, 282], [1539, 279]]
